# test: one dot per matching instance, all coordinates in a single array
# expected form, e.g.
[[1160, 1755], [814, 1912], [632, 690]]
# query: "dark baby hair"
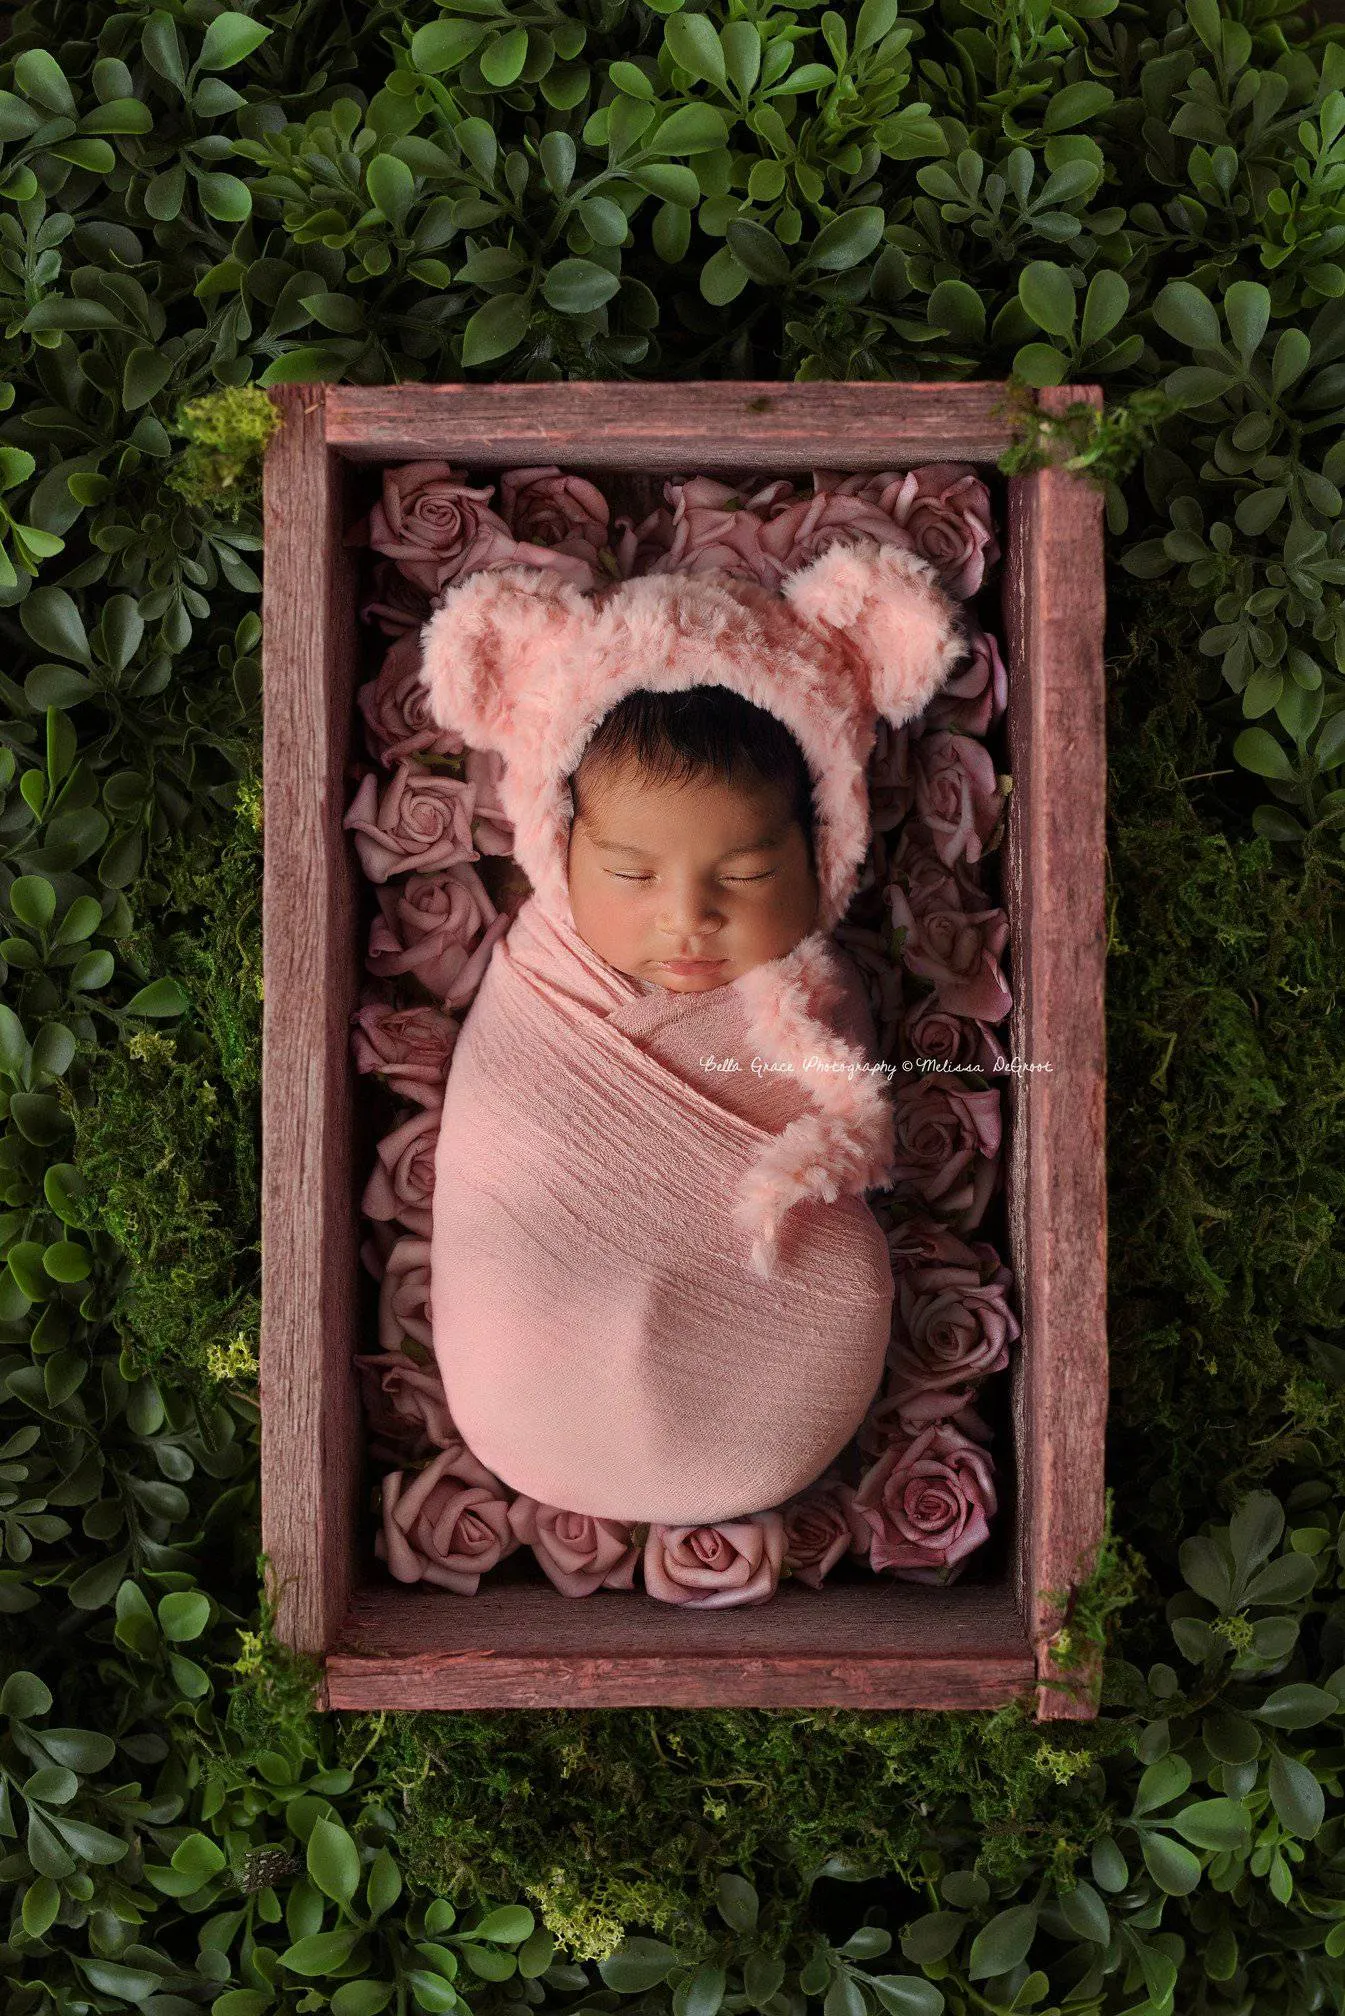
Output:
[[702, 731]]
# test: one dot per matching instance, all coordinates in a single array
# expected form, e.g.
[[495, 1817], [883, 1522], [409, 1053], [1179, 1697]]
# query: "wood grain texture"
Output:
[[1056, 1170], [886, 1646], [520, 1643], [311, 1432], [697, 426]]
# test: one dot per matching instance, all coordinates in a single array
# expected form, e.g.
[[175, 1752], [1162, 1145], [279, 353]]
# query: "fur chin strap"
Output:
[[846, 1144]]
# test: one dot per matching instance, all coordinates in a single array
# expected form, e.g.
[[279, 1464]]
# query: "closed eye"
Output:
[[728, 878]]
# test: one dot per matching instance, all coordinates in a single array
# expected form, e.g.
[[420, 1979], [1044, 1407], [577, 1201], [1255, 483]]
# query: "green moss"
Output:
[[166, 1132], [227, 432]]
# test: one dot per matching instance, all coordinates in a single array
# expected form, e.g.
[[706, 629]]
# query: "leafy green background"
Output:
[[198, 202]]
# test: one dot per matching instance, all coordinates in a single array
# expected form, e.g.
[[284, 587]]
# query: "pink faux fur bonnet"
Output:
[[523, 662]]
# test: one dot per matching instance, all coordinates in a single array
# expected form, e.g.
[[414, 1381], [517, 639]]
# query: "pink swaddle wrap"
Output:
[[656, 1291]]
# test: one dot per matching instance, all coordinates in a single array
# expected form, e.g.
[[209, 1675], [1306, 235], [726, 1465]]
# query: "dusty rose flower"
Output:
[[396, 709], [928, 1503], [405, 1408], [397, 605], [492, 829], [952, 1328], [441, 929], [882, 973], [404, 1294], [637, 547], [943, 507], [419, 820], [921, 1241], [957, 950], [947, 1143], [798, 531], [973, 698], [934, 1039], [715, 1566], [401, 1183], [427, 519], [714, 528], [553, 509], [410, 1048], [578, 1552], [957, 794], [447, 1525], [820, 1528], [885, 1424], [891, 786], [931, 882]]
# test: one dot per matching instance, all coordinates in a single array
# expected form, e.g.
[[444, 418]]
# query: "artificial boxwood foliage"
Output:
[[199, 201]]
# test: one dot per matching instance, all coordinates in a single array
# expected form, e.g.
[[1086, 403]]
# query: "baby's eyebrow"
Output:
[[753, 846]]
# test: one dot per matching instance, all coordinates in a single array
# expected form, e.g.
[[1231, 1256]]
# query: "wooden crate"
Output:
[[521, 1643]]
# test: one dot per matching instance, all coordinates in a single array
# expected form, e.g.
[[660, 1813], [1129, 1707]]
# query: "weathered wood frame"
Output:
[[879, 1646]]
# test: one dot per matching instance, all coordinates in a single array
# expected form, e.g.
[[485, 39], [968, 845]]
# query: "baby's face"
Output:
[[699, 870]]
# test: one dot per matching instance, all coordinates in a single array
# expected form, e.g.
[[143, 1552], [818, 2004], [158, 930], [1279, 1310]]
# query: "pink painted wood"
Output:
[[517, 1643]]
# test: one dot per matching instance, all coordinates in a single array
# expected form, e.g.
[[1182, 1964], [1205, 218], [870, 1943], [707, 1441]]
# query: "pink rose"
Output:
[[891, 786], [943, 508], [410, 1048], [947, 1144], [921, 1241], [578, 1552], [637, 547], [447, 1525], [713, 1567], [714, 528], [820, 1527], [872, 954], [401, 1183], [957, 950], [397, 605], [973, 698], [798, 531], [934, 1039], [952, 1328], [927, 1503], [405, 1408], [931, 882], [957, 794], [429, 928], [428, 519], [563, 512], [492, 829], [885, 1423], [419, 820], [404, 1294], [396, 709]]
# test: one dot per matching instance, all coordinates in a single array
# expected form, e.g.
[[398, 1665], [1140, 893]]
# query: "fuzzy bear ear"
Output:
[[487, 647], [889, 605]]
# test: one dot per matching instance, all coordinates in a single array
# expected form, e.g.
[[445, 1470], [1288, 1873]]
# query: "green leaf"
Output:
[[359, 1998], [333, 1861], [145, 374], [321, 1952], [1085, 1913], [1213, 1823], [722, 278], [702, 1992], [183, 1615], [225, 198], [1297, 1795], [695, 47], [385, 1884], [50, 617], [41, 78], [637, 1966], [33, 901], [1257, 750], [1000, 1945], [736, 1901], [41, 1902], [955, 306], [1076, 104], [932, 1937], [904, 1995], [758, 251], [1298, 1706], [1186, 312], [691, 129], [229, 38], [1174, 1868], [161, 997], [578, 286], [844, 1997], [848, 239], [443, 45], [199, 1857], [1047, 294], [1247, 309], [496, 328], [391, 187], [508, 1926], [503, 57]]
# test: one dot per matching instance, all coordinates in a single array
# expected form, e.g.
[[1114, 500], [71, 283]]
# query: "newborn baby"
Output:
[[657, 1292]]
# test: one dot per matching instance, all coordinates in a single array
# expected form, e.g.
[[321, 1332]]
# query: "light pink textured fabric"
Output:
[[605, 1342], [656, 1290]]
